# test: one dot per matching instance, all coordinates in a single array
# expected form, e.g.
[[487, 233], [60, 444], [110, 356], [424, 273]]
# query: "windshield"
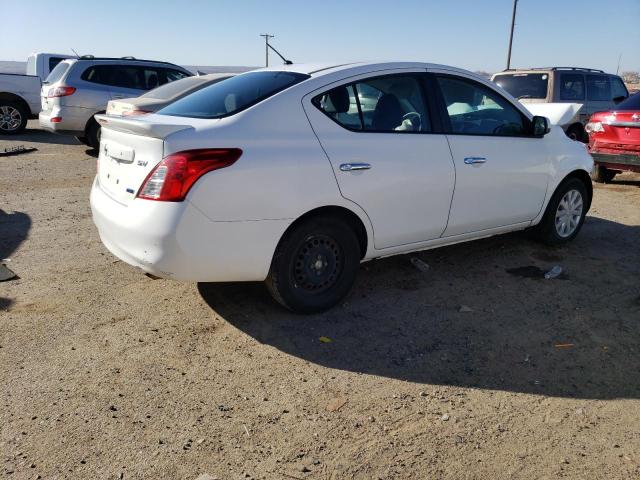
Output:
[[233, 95], [631, 103], [172, 89], [58, 72], [524, 85]]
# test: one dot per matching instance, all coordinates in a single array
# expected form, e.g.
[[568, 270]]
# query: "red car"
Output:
[[614, 140]]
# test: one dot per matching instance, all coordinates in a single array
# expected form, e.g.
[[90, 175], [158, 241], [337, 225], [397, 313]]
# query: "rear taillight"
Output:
[[60, 92], [172, 178], [134, 113], [594, 127]]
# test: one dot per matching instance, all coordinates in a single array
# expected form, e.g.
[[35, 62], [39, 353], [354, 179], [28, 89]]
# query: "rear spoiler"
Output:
[[139, 127]]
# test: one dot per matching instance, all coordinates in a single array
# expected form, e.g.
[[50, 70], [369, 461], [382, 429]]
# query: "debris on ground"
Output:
[[6, 274], [564, 345], [465, 309], [531, 271], [419, 264], [445, 417], [555, 272], [336, 404], [325, 340], [20, 149]]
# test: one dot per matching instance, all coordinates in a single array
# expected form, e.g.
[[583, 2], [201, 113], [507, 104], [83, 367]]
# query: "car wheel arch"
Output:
[[91, 121], [12, 97], [352, 219], [584, 177]]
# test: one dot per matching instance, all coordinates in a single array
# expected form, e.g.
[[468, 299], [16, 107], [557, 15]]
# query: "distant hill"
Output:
[[21, 67]]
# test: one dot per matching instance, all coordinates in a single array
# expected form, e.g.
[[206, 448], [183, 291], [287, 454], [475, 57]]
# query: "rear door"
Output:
[[501, 171], [387, 152]]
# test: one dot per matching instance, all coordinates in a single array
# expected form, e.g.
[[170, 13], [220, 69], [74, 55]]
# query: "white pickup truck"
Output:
[[20, 94]]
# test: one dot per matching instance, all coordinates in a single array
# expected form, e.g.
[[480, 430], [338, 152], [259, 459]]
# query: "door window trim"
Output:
[[444, 114], [427, 100]]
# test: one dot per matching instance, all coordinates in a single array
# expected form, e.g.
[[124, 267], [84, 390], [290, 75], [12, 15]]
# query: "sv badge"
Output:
[[143, 163]]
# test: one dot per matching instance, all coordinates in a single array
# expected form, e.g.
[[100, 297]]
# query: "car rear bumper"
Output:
[[621, 161], [73, 120], [176, 240]]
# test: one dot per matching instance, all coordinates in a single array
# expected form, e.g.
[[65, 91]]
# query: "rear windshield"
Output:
[[170, 90], [524, 85], [631, 103], [58, 72], [233, 95]]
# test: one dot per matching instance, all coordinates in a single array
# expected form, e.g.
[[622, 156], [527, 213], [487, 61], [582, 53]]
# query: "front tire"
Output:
[[565, 213], [13, 117], [601, 174], [315, 265]]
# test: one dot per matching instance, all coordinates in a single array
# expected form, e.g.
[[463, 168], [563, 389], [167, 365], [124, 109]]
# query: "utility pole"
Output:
[[266, 47], [513, 22]]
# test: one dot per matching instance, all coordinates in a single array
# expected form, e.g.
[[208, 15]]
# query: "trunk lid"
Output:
[[130, 150], [623, 127]]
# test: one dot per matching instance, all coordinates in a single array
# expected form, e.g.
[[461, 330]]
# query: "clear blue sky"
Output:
[[471, 34]]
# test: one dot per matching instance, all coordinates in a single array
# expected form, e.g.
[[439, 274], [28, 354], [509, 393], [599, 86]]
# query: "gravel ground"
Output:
[[463, 371]]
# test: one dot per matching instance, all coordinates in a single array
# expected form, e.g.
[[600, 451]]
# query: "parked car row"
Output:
[[575, 94], [20, 94], [79, 88], [294, 175]]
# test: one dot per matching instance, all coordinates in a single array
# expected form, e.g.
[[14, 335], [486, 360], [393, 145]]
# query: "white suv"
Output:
[[295, 175], [77, 89]]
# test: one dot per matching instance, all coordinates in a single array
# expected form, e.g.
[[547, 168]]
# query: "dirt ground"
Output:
[[465, 371]]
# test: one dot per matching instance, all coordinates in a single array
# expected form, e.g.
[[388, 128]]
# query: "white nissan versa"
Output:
[[296, 174]]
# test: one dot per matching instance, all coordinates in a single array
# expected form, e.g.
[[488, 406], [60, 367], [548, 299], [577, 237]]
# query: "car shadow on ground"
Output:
[[37, 135], [468, 322], [14, 229]]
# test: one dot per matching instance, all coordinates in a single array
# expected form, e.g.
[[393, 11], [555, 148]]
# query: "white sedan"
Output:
[[295, 175]]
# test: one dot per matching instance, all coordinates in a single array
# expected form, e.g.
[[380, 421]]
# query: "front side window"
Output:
[[598, 88], [475, 109], [392, 103], [233, 95], [571, 86], [524, 85]]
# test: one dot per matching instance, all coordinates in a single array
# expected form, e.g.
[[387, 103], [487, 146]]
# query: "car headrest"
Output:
[[388, 113], [339, 98]]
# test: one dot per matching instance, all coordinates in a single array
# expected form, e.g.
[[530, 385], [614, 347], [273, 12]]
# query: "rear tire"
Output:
[[315, 265], [577, 133], [601, 174], [13, 117], [565, 213], [93, 134], [83, 140]]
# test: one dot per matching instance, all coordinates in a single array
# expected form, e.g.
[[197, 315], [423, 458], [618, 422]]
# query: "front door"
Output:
[[378, 135], [501, 170]]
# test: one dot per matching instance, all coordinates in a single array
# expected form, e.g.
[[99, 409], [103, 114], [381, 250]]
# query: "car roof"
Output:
[[320, 69], [121, 61]]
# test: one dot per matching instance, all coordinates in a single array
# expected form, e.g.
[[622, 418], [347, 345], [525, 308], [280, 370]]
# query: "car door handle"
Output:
[[474, 160], [349, 167]]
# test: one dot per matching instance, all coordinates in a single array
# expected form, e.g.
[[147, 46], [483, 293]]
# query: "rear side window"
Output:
[[233, 95], [631, 103], [524, 85], [618, 88], [475, 109], [598, 88], [571, 86], [54, 61], [58, 72], [393, 103]]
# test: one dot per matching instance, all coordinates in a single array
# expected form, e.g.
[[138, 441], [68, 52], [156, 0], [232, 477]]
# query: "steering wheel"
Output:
[[415, 119]]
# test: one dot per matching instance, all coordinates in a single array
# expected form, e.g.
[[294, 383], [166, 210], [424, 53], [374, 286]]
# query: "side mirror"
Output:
[[617, 100], [540, 126]]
